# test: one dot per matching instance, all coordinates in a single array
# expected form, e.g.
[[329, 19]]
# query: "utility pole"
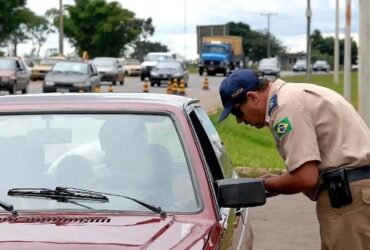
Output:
[[308, 57], [364, 62], [268, 14], [336, 44], [347, 54], [61, 31]]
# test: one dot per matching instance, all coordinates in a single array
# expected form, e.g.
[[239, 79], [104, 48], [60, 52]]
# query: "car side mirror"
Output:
[[241, 192]]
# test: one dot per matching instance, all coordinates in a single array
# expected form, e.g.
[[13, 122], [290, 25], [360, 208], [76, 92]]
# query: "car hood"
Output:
[[96, 232], [213, 57], [67, 78], [5, 72]]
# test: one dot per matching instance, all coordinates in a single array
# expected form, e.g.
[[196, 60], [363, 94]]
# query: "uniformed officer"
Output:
[[324, 143]]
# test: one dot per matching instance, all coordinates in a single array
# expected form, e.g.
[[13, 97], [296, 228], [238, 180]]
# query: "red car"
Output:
[[118, 171]]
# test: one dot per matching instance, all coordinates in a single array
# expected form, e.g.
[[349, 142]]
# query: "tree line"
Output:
[[108, 29]]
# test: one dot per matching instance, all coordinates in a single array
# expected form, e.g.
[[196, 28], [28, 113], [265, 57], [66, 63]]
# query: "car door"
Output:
[[94, 75], [237, 231], [21, 75]]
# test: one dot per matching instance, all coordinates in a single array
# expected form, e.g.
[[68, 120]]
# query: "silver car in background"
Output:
[[72, 76], [269, 66], [110, 70]]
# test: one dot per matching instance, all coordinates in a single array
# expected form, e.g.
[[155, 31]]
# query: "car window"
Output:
[[140, 156], [70, 67], [105, 61], [131, 62], [210, 141], [168, 65], [6, 63], [214, 49]]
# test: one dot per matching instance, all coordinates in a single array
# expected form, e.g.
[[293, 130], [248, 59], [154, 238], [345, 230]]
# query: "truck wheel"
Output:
[[225, 72], [200, 71]]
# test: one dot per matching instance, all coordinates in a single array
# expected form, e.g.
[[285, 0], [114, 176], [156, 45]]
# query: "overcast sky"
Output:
[[175, 21]]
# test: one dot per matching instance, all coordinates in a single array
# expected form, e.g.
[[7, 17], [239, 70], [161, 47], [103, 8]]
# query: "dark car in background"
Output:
[[118, 171], [299, 66], [321, 65], [110, 70], [13, 75], [72, 76], [167, 70], [151, 60]]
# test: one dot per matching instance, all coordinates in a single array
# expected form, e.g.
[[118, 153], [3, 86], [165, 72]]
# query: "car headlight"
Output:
[[48, 83], [154, 73], [177, 75]]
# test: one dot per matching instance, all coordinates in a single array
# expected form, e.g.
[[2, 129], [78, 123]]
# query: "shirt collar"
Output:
[[274, 89]]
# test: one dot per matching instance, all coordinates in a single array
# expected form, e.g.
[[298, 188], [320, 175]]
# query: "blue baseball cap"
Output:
[[234, 87]]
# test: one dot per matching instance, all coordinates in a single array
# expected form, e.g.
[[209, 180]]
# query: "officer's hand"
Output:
[[266, 176]]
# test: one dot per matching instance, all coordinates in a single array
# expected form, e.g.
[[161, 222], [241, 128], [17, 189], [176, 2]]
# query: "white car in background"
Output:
[[269, 66], [131, 67], [151, 60]]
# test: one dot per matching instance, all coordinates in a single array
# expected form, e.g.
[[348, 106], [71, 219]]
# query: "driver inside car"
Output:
[[125, 148]]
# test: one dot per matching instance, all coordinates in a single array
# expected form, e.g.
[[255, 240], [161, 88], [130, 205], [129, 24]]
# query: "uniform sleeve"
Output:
[[295, 136]]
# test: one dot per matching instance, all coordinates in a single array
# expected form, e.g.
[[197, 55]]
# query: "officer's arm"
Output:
[[301, 179]]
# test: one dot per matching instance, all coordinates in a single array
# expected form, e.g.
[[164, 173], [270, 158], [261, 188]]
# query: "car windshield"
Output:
[[7, 64], [70, 67], [214, 49], [320, 63], [157, 57], [104, 61], [49, 61], [131, 62], [168, 65], [267, 63], [135, 155], [301, 62]]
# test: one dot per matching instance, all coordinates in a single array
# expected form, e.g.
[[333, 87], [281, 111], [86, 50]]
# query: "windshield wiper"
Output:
[[144, 204], [60, 194], [8, 207], [68, 194]]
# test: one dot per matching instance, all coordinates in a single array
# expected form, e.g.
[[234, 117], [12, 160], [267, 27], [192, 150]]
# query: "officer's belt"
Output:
[[358, 173], [354, 174]]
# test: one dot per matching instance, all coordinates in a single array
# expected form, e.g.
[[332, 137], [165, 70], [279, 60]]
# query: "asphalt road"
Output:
[[285, 222]]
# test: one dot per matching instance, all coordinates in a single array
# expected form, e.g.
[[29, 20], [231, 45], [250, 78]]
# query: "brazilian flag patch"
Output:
[[282, 127]]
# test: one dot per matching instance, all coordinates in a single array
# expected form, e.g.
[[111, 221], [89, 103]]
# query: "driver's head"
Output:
[[122, 140]]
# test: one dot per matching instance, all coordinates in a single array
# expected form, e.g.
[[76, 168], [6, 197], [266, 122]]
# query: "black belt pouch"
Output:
[[336, 183]]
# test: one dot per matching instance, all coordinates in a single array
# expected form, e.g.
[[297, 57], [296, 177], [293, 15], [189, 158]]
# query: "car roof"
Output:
[[93, 101]]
